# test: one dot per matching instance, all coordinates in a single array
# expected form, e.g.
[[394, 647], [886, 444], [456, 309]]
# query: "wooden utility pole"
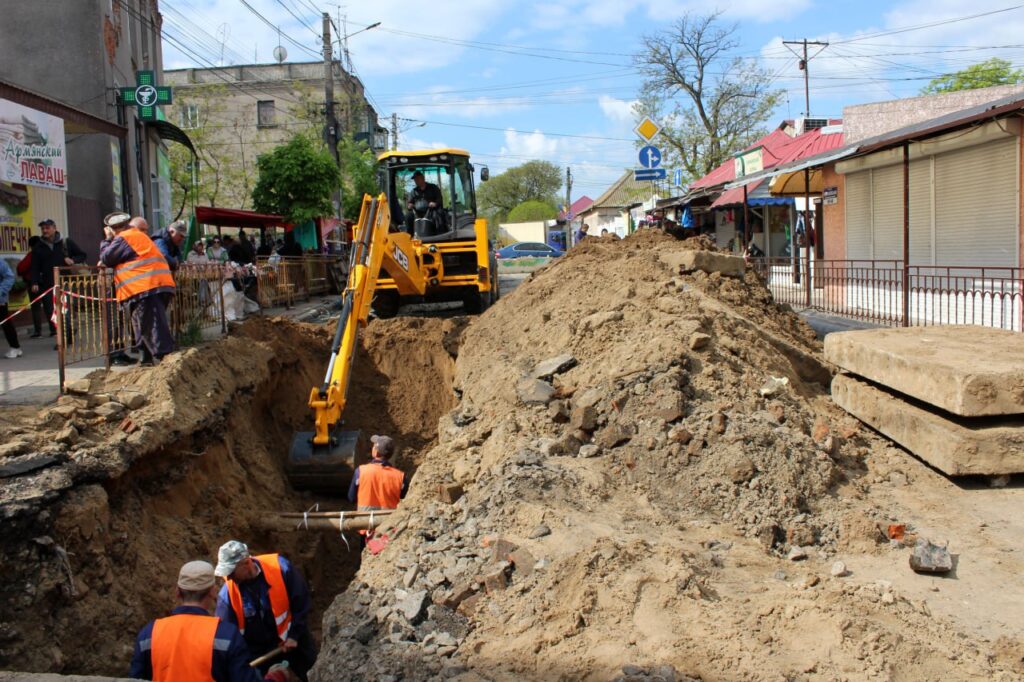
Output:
[[805, 60]]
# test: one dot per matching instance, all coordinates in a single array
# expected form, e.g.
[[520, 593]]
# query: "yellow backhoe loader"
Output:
[[430, 253]]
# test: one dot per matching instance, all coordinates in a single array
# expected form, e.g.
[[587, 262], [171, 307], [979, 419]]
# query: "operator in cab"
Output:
[[427, 191]]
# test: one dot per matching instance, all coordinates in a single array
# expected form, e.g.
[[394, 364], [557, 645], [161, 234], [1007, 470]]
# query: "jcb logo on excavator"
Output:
[[402, 259]]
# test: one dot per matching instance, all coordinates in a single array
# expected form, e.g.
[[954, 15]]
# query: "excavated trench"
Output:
[[95, 561]]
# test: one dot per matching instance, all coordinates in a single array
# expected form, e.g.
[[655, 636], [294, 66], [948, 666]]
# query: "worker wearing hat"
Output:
[[143, 284], [190, 644], [378, 485], [266, 597]]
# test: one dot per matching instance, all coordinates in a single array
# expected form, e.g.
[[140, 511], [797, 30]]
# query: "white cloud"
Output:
[[531, 145], [618, 110]]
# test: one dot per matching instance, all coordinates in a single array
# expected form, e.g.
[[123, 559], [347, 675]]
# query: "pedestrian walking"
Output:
[[7, 280], [143, 284]]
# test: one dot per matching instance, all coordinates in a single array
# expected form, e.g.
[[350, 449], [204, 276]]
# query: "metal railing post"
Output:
[[220, 295], [59, 314], [101, 294]]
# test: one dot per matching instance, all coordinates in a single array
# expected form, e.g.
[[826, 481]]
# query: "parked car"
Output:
[[528, 250]]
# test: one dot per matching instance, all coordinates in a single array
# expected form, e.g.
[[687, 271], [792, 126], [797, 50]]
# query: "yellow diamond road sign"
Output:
[[647, 129]]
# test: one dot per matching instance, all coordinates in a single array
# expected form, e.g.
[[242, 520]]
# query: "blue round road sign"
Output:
[[650, 156]]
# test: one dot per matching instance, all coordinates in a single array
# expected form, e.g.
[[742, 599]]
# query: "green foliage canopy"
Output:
[[532, 210], [994, 71], [531, 181], [358, 175], [296, 181]]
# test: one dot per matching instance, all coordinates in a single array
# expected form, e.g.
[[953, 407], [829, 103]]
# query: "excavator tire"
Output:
[[475, 302], [386, 303]]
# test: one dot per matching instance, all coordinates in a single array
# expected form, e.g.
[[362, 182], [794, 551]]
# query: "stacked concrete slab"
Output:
[[953, 396]]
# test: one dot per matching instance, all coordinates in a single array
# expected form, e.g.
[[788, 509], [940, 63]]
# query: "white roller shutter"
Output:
[[976, 200], [920, 212], [858, 216], [887, 212]]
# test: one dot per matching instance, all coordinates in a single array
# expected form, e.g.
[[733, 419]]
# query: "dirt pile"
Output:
[[653, 486], [104, 495]]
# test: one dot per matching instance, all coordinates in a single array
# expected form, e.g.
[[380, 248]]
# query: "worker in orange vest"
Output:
[[143, 284], [192, 645], [378, 485], [266, 597]]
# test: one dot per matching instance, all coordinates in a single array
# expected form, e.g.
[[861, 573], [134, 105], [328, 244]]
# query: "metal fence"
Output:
[[90, 323], [889, 293]]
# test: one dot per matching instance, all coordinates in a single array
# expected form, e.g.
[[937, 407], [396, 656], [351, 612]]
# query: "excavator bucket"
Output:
[[323, 468]]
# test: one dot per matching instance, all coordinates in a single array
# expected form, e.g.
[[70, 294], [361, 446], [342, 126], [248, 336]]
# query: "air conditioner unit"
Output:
[[805, 124]]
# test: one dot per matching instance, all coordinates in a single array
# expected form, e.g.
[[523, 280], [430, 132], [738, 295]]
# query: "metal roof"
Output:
[[420, 153]]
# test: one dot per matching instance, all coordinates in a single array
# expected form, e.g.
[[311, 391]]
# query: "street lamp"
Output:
[[375, 25]]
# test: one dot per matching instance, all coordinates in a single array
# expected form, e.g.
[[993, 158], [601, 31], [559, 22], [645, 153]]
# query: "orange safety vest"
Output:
[[279, 603], [380, 487], [148, 271], [182, 648]]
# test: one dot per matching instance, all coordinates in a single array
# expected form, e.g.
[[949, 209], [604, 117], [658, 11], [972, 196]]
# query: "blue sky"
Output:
[[554, 79]]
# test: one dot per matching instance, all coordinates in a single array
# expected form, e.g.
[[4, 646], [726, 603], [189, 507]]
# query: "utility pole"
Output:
[[805, 61], [568, 206], [331, 124], [394, 131]]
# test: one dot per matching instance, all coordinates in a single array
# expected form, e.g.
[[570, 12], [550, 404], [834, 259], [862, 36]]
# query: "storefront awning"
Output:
[[793, 185], [234, 217], [169, 131]]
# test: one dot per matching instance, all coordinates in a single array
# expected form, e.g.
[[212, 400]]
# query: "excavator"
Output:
[[427, 253]]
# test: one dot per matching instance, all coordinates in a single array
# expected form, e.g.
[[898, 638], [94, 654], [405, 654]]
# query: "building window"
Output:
[[265, 114], [190, 116]]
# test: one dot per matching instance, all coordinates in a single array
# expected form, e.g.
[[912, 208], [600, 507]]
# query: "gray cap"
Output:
[[385, 446], [230, 555], [196, 576]]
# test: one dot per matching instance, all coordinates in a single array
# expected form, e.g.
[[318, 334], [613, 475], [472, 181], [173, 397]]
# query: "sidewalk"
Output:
[[32, 378]]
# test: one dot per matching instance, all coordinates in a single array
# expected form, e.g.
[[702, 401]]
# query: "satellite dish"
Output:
[[280, 54]]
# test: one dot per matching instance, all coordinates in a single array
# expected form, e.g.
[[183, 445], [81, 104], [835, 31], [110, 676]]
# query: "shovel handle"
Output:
[[266, 657]]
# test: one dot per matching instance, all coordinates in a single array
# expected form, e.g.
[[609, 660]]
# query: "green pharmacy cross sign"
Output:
[[146, 95]]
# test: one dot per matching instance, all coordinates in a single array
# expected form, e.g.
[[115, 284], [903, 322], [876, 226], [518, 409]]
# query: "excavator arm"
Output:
[[327, 452]]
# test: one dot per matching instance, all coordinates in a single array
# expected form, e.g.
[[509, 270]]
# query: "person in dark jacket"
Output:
[[25, 273], [266, 597], [169, 241], [7, 280], [190, 644], [49, 252], [291, 247]]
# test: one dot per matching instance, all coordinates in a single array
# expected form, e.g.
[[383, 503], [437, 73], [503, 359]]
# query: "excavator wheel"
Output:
[[386, 303], [475, 302]]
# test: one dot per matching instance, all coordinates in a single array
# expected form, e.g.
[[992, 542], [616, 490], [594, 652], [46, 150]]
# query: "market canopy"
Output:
[[236, 217]]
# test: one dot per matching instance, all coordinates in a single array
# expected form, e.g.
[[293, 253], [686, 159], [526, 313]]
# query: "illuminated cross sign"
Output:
[[146, 95]]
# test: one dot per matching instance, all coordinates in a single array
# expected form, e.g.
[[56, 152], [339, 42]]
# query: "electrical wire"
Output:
[[283, 34]]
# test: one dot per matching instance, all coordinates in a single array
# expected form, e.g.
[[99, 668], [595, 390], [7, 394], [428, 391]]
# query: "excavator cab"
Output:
[[432, 197]]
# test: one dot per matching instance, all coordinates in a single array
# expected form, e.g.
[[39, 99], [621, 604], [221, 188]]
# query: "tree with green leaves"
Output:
[[358, 175], [296, 180], [709, 105], [531, 181], [532, 210], [994, 71]]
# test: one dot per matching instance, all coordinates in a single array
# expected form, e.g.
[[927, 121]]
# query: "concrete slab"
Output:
[[708, 261], [954, 446], [967, 371]]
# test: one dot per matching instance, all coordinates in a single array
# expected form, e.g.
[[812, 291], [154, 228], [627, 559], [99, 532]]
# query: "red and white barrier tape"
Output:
[[18, 312]]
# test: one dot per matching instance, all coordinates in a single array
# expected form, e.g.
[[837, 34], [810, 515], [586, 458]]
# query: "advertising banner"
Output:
[[32, 148]]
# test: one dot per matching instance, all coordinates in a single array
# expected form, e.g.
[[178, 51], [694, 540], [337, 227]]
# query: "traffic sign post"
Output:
[[650, 157], [647, 129], [641, 174]]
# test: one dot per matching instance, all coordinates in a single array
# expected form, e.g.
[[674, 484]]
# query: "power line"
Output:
[[522, 132], [297, 18], [918, 27], [270, 24]]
